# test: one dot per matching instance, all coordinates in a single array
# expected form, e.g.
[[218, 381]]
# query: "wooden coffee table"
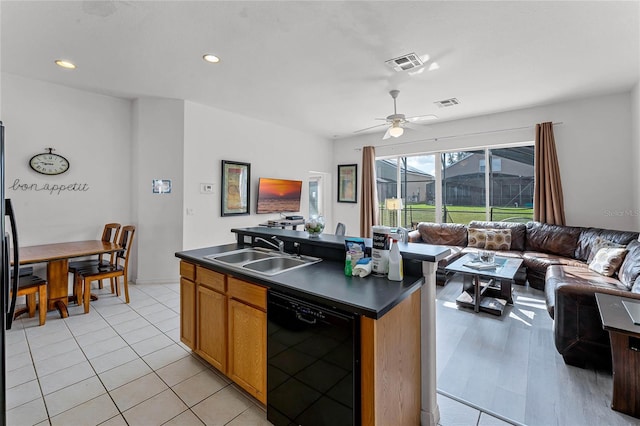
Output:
[[491, 289]]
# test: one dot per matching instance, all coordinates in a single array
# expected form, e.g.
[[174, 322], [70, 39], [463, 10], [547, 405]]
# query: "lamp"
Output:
[[393, 204], [396, 130]]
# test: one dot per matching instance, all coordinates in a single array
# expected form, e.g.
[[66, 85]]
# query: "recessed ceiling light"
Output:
[[65, 64], [211, 58]]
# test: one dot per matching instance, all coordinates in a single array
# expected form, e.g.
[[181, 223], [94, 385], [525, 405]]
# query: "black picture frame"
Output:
[[347, 183], [235, 189]]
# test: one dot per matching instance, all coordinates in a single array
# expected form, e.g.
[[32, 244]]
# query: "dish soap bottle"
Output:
[[395, 262], [348, 271]]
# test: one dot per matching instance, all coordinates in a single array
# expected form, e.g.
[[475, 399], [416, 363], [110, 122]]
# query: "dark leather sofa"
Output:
[[555, 260]]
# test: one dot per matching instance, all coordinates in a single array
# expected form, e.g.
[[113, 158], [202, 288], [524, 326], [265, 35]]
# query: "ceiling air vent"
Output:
[[406, 62], [447, 103]]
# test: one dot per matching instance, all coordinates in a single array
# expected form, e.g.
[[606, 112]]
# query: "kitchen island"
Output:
[[224, 319]]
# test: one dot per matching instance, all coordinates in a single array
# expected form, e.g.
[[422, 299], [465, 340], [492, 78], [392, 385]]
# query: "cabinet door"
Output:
[[188, 312], [248, 348], [212, 337]]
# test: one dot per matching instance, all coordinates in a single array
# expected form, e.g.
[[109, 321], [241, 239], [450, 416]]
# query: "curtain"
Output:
[[369, 204], [548, 202]]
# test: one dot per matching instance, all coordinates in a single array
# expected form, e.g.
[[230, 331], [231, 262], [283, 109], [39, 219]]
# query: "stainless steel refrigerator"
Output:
[[9, 278]]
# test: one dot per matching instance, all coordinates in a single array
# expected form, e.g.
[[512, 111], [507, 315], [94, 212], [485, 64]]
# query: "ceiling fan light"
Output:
[[63, 63], [211, 58], [396, 131]]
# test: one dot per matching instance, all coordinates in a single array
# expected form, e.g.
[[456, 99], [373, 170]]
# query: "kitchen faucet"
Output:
[[279, 246]]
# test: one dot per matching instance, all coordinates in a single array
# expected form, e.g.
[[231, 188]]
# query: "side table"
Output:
[[625, 353]]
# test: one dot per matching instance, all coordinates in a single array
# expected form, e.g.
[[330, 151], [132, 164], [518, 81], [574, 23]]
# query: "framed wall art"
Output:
[[161, 186], [347, 183], [235, 189]]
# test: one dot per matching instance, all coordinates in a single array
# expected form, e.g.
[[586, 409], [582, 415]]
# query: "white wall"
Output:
[[213, 135], [635, 136], [93, 132], [594, 146], [157, 153], [117, 147]]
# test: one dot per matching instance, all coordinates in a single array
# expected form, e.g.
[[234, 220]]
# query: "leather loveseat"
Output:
[[556, 260]]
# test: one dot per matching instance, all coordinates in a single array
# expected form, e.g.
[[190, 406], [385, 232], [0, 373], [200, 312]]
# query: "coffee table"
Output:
[[491, 289]]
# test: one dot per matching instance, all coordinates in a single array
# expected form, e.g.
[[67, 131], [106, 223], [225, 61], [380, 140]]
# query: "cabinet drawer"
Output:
[[211, 279], [252, 294], [188, 270]]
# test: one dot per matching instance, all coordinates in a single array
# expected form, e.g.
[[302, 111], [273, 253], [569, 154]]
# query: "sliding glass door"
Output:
[[457, 186]]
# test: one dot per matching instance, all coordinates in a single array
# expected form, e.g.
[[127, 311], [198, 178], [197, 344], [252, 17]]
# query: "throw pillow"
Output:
[[498, 239], [607, 260], [477, 237], [630, 269], [599, 243], [636, 286]]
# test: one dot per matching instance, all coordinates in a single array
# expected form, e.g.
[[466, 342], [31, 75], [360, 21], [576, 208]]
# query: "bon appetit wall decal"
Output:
[[52, 189]]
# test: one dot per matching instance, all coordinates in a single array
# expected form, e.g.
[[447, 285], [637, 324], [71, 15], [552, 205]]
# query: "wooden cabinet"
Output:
[[211, 318], [212, 327], [188, 304], [247, 329], [224, 320]]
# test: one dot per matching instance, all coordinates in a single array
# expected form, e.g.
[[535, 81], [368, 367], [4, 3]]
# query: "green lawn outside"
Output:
[[455, 214]]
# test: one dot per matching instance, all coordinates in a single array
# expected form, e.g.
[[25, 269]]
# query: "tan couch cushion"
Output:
[[518, 231], [498, 239], [599, 243], [477, 237], [607, 260]]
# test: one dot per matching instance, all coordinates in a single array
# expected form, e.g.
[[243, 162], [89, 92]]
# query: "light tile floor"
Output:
[[124, 364]]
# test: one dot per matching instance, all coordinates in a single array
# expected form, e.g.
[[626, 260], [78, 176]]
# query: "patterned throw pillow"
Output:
[[607, 260], [599, 243], [498, 239], [477, 237]]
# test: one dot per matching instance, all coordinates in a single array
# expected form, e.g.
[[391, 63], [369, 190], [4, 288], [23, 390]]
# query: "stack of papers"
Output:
[[476, 264]]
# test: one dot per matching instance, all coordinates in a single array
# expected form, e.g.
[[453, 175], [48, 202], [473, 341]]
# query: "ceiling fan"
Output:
[[397, 122]]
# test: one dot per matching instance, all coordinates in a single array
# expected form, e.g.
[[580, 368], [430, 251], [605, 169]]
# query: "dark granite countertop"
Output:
[[325, 282]]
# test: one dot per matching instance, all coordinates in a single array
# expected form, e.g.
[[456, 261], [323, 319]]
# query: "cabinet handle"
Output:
[[303, 319]]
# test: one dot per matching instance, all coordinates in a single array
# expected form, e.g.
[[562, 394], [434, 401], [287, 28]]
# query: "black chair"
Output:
[[118, 267], [29, 285], [109, 234]]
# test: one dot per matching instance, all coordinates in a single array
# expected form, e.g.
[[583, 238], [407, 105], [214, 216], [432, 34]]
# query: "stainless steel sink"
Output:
[[261, 261], [241, 256], [275, 265]]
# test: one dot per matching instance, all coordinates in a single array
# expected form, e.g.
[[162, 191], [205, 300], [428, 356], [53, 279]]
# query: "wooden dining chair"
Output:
[[110, 235], [30, 285], [118, 267]]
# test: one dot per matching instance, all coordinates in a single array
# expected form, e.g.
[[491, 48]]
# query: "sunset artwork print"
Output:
[[278, 195]]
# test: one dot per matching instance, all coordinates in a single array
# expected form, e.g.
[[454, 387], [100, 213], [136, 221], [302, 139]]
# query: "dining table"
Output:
[[57, 256]]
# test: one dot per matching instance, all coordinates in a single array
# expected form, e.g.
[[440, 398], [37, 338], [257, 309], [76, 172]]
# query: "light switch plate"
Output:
[[206, 188]]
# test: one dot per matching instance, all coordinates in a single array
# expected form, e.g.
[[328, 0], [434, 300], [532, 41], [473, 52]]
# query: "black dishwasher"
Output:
[[313, 363]]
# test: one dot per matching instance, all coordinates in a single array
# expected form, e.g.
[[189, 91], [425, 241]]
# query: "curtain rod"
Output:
[[459, 136]]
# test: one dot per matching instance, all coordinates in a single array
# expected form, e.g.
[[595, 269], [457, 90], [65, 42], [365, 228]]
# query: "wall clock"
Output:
[[49, 163]]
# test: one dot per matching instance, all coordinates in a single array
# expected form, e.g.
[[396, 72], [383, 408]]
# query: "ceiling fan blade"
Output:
[[421, 118], [369, 128], [387, 135]]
